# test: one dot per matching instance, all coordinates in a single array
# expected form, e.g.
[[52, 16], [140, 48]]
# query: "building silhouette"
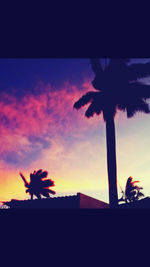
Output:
[[79, 201]]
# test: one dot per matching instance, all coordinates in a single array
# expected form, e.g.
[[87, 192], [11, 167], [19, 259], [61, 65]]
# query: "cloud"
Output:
[[35, 117], [76, 168], [44, 131]]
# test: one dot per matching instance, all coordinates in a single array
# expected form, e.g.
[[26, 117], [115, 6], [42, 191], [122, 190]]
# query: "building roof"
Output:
[[78, 201]]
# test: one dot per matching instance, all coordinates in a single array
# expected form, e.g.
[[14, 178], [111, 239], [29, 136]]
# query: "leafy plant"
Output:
[[132, 191], [38, 186]]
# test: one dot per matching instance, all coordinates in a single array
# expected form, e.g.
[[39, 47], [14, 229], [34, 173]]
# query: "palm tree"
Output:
[[118, 87], [37, 185], [132, 191]]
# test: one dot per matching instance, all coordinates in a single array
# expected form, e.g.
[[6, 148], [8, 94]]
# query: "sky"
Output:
[[39, 129]]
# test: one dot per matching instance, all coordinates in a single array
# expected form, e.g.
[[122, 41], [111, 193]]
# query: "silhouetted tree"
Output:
[[37, 186], [117, 87], [132, 192]]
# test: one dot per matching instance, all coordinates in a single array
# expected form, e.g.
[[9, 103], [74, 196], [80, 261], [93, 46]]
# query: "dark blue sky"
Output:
[[25, 73]]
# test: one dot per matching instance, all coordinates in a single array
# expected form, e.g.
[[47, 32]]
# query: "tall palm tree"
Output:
[[118, 87], [37, 186]]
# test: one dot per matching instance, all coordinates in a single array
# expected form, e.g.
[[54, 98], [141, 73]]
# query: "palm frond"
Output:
[[140, 89], [140, 188], [44, 174], [121, 106], [90, 111], [134, 182], [95, 107], [134, 188], [45, 194], [38, 172], [143, 106], [140, 194], [138, 105], [51, 191], [47, 183], [130, 111], [137, 71], [24, 179], [85, 99]]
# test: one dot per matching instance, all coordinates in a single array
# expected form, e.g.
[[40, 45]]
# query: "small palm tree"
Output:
[[37, 186], [117, 87], [132, 192]]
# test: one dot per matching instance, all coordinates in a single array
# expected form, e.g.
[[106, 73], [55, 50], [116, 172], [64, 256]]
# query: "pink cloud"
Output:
[[48, 113], [50, 116]]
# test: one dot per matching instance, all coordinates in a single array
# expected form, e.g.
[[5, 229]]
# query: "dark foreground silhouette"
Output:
[[117, 87], [139, 204], [132, 191], [37, 186], [79, 201]]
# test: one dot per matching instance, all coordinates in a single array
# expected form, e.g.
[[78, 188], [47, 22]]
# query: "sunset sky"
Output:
[[39, 129]]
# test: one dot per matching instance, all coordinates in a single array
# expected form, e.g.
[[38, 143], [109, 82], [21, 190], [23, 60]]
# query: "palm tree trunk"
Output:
[[111, 162]]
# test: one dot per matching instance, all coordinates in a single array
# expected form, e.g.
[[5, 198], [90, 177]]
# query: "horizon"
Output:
[[41, 130]]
